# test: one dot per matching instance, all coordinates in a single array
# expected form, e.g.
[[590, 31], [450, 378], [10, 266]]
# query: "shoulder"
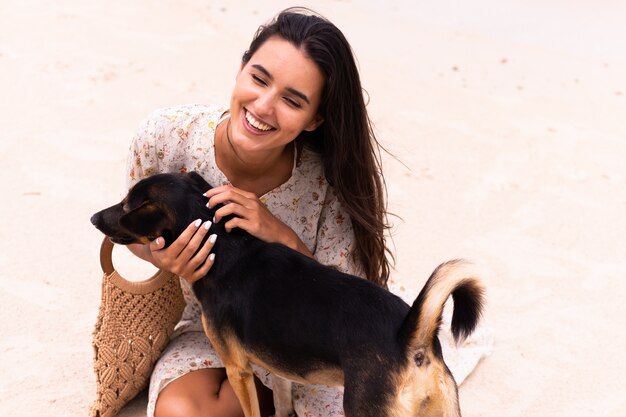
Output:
[[177, 121], [310, 165], [185, 112]]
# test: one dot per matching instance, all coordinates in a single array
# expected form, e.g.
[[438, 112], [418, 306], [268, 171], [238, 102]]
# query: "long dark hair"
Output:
[[346, 140]]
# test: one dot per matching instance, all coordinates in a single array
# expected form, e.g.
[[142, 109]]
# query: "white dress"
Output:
[[181, 139]]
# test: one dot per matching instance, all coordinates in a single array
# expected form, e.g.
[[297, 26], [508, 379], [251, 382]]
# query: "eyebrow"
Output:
[[292, 90]]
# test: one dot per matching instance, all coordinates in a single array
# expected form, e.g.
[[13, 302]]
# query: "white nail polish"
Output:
[[207, 225], [214, 221], [212, 238], [198, 222], [212, 257]]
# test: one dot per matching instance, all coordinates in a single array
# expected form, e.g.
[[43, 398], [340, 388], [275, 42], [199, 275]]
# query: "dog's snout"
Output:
[[94, 219]]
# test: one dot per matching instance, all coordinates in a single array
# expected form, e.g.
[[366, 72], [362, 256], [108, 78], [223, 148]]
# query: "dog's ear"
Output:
[[199, 181], [147, 220]]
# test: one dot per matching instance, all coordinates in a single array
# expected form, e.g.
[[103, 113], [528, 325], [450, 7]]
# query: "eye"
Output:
[[258, 80], [293, 103]]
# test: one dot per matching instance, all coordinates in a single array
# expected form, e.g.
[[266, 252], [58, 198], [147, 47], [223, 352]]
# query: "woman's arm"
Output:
[[253, 217]]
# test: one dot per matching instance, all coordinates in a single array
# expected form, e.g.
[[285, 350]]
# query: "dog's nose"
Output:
[[94, 219]]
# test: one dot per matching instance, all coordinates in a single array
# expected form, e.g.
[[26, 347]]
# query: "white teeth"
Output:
[[256, 123]]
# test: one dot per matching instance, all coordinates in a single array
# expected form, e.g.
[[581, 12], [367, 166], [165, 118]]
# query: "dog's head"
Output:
[[160, 205]]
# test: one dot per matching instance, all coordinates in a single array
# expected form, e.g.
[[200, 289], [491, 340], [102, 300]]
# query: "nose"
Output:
[[94, 219], [264, 105]]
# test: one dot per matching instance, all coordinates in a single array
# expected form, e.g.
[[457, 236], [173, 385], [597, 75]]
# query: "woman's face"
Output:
[[276, 96]]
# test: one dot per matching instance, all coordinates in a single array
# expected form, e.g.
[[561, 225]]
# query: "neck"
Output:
[[258, 172]]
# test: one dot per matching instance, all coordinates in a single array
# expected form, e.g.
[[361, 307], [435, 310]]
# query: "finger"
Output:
[[157, 244], [194, 243], [217, 190], [204, 269], [201, 255], [231, 208], [243, 224], [181, 241], [229, 187], [243, 198]]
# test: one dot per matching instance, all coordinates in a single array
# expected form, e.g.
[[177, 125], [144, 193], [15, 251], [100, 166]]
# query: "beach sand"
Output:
[[507, 126]]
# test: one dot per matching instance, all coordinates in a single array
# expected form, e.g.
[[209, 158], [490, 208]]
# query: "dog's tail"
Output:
[[421, 325]]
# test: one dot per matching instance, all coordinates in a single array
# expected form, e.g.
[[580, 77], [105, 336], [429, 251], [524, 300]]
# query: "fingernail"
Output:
[[158, 240], [207, 205], [212, 257], [198, 222], [212, 238], [207, 225], [214, 221]]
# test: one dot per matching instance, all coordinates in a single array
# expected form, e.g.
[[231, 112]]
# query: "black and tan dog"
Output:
[[269, 305]]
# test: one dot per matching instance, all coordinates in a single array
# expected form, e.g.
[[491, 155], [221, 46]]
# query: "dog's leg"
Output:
[[368, 391], [238, 370], [242, 381], [283, 402]]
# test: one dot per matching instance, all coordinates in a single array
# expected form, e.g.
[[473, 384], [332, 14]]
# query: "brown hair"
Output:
[[346, 140]]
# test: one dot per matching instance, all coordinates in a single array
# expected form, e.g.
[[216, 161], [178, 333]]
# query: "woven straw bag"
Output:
[[135, 322]]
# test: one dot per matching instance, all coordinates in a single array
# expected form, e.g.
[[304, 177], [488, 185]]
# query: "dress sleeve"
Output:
[[142, 160], [335, 237]]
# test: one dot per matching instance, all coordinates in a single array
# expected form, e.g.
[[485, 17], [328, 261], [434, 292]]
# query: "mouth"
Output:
[[123, 240], [255, 125]]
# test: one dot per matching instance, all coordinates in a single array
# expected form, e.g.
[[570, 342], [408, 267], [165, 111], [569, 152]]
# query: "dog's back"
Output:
[[315, 316]]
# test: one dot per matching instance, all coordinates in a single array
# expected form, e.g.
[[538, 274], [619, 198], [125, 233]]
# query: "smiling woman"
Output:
[[278, 160], [276, 97]]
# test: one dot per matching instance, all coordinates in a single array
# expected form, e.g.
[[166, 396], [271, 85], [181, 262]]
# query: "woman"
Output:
[[295, 160]]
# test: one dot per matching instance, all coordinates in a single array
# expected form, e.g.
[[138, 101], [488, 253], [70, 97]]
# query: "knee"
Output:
[[193, 395], [198, 403], [180, 406]]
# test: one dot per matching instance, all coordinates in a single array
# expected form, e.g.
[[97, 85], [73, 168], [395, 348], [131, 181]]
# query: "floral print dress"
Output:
[[181, 139]]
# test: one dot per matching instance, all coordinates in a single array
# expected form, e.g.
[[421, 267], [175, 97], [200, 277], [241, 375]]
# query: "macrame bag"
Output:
[[134, 324]]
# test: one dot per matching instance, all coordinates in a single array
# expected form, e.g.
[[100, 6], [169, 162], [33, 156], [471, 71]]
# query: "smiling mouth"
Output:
[[257, 124]]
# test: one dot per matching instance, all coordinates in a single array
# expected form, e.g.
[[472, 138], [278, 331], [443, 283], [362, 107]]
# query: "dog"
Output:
[[267, 304]]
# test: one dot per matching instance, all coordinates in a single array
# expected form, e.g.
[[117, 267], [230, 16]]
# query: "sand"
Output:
[[507, 122]]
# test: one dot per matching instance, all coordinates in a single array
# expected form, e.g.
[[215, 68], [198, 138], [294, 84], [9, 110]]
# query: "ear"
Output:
[[315, 123], [147, 220], [199, 181]]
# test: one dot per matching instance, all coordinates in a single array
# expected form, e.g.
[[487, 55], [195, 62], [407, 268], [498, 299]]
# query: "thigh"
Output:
[[185, 354], [204, 392], [207, 392]]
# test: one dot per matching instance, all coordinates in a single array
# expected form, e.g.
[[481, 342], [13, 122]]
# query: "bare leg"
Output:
[[206, 393]]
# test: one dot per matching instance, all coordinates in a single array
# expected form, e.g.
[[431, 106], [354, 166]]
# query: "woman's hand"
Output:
[[252, 216], [181, 257]]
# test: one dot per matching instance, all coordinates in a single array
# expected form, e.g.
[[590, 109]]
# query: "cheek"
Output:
[[240, 93], [294, 120], [243, 89]]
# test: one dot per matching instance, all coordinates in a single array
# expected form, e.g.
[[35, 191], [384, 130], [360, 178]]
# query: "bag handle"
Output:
[[106, 256], [157, 281]]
